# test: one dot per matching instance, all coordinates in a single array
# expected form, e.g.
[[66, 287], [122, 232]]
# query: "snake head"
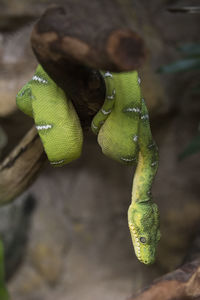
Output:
[[143, 219]]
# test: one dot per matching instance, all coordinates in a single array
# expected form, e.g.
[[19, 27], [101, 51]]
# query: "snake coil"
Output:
[[124, 134]]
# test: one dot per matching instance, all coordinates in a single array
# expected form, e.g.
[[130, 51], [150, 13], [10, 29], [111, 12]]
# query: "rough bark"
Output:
[[182, 284], [19, 169]]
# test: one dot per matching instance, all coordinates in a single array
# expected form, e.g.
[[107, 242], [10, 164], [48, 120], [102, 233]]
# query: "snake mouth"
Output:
[[136, 240], [137, 247], [146, 262]]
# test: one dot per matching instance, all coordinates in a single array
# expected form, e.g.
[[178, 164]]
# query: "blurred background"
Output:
[[67, 237]]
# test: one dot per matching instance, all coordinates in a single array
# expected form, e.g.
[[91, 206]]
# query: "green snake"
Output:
[[124, 134]]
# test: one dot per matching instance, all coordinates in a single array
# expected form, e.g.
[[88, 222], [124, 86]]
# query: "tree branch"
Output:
[[182, 284], [19, 169]]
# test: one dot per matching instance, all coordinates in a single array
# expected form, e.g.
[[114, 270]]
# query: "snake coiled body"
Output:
[[124, 134], [55, 118]]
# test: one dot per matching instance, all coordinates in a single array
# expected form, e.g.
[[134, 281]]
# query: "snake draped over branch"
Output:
[[124, 134]]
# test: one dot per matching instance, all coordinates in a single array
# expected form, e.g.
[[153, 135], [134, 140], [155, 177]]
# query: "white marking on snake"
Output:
[[145, 117], [108, 74], [39, 79], [135, 138], [139, 80], [106, 112], [57, 162], [133, 109], [94, 126], [111, 97], [43, 127], [137, 243], [127, 159]]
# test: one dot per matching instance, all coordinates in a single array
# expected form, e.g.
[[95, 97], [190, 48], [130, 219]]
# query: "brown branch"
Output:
[[19, 169], [182, 284], [91, 34]]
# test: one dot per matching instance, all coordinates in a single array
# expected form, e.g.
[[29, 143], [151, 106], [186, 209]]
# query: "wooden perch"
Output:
[[19, 169], [94, 34], [181, 284]]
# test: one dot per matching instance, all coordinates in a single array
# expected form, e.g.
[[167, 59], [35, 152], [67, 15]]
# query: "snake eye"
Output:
[[143, 240]]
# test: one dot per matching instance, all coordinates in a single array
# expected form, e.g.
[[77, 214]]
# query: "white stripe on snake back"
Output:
[[43, 127], [39, 79]]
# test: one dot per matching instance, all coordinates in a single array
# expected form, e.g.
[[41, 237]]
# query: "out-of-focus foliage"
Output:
[[189, 62], [3, 291]]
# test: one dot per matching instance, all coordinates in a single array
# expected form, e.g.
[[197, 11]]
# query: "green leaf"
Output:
[[3, 291], [192, 148], [190, 49], [181, 65]]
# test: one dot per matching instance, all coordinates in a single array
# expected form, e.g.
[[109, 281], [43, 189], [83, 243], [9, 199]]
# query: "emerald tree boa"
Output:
[[123, 130]]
